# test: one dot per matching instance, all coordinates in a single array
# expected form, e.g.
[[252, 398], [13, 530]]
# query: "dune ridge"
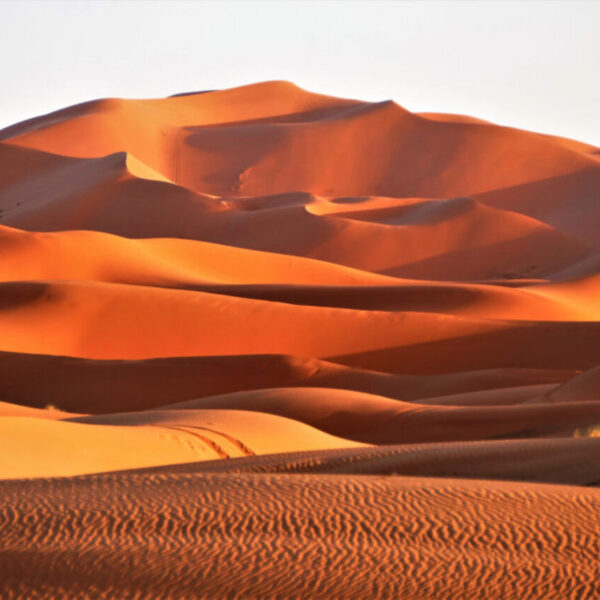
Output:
[[558, 460]]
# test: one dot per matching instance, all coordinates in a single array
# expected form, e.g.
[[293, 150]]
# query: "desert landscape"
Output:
[[262, 343]]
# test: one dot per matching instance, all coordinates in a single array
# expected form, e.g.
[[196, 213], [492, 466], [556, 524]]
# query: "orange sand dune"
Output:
[[450, 239], [218, 309], [144, 118], [98, 320], [46, 192], [563, 460], [494, 397], [93, 386], [582, 293], [41, 447], [110, 321], [8, 409], [530, 301], [566, 202], [159, 262], [566, 142], [277, 536], [378, 420], [523, 344], [195, 265], [274, 137], [457, 238]]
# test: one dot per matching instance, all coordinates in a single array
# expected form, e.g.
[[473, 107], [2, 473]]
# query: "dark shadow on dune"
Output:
[[106, 386], [551, 345], [526, 257], [376, 298], [181, 94], [15, 294]]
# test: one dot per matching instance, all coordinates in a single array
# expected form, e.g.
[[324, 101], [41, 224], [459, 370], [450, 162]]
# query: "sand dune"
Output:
[[48, 192], [271, 139], [110, 321], [583, 388], [530, 301], [566, 142], [440, 242], [566, 202], [160, 262], [378, 420], [40, 447], [96, 386], [387, 537], [528, 344], [494, 397], [253, 337], [8, 409], [457, 238], [97, 320], [563, 460], [221, 269]]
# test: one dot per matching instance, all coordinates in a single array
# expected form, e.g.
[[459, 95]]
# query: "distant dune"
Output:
[[266, 343]]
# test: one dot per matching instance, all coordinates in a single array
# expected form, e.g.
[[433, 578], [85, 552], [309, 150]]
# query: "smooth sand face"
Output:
[[45, 447], [242, 331]]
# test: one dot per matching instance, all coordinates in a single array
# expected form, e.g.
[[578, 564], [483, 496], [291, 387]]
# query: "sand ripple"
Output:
[[274, 536]]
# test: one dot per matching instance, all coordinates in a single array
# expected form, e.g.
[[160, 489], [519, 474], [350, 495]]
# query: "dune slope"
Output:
[[558, 460], [104, 386], [278, 535], [38, 447]]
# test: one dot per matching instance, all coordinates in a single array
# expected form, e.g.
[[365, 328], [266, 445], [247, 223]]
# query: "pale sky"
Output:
[[534, 65]]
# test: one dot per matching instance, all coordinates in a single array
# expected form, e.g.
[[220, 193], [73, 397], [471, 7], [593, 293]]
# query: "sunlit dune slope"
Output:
[[43, 447], [160, 262], [8, 409], [110, 321], [98, 320], [231, 271]]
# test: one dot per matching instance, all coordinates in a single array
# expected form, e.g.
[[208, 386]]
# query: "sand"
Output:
[[298, 536], [267, 343], [39, 447]]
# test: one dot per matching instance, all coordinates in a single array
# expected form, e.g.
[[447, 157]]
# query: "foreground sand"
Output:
[[297, 536], [266, 343]]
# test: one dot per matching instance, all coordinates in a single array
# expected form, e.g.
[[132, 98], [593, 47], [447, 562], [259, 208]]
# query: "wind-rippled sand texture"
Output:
[[296, 536], [242, 332]]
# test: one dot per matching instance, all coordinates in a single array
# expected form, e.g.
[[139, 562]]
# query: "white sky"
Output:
[[534, 65]]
